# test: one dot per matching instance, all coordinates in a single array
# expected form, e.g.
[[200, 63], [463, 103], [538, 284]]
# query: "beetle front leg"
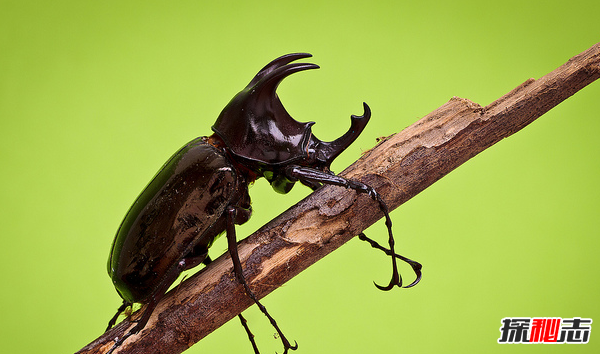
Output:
[[416, 266], [312, 176], [237, 269]]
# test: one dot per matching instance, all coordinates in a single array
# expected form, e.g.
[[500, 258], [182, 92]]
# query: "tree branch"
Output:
[[398, 168]]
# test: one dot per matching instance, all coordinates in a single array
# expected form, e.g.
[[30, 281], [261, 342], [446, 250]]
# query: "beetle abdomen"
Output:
[[170, 217]]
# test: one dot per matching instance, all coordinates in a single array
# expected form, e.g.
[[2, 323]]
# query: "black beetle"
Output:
[[202, 191]]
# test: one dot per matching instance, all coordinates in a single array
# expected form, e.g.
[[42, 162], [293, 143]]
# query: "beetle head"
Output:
[[256, 127]]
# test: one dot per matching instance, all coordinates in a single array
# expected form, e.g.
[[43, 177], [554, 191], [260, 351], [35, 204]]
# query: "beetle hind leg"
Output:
[[120, 310]]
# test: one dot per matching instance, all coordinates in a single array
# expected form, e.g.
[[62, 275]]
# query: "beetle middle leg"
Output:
[[313, 177], [237, 269]]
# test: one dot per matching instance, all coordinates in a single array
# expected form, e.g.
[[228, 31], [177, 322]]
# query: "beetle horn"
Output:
[[267, 85], [328, 151], [277, 63]]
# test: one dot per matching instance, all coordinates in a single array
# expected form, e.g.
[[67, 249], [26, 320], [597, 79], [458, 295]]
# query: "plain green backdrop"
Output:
[[95, 96]]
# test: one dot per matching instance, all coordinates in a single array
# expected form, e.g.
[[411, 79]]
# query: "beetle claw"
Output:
[[287, 346], [416, 266], [395, 281], [384, 288], [293, 347]]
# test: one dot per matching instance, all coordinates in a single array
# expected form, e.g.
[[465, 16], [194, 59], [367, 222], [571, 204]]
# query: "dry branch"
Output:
[[399, 168]]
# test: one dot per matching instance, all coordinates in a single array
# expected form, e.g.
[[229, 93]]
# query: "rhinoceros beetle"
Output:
[[202, 191]]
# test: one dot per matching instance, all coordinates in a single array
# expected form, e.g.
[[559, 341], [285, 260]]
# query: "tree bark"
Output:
[[399, 167]]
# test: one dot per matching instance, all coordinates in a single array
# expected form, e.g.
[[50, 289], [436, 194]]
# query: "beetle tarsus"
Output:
[[292, 347], [249, 333], [416, 266]]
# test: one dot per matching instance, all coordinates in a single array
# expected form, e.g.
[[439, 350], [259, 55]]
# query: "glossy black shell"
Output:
[[177, 215], [182, 210]]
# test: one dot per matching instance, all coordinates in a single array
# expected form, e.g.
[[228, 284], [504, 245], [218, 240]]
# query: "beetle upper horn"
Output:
[[277, 63]]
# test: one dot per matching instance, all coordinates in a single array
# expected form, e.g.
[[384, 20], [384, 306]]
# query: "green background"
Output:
[[95, 96]]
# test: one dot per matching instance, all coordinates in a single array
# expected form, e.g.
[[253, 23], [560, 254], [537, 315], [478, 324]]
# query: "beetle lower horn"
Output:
[[329, 150]]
